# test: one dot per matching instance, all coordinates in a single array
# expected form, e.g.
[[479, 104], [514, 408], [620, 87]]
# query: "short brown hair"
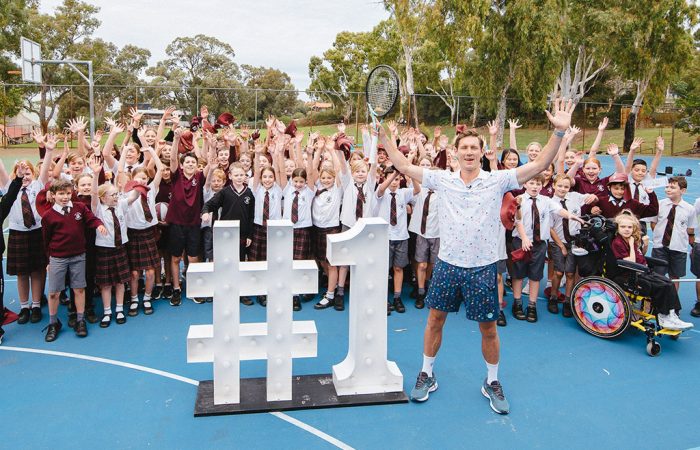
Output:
[[539, 177], [61, 185], [680, 181], [469, 133]]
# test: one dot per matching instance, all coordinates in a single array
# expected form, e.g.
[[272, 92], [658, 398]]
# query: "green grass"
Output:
[[682, 142]]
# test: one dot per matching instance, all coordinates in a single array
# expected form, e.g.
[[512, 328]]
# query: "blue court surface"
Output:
[[129, 386]]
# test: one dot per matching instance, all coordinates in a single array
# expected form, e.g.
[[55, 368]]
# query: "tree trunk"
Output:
[[501, 113], [475, 112], [408, 56], [642, 86], [43, 122]]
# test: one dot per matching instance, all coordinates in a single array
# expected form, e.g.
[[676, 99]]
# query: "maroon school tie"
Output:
[[565, 223], [266, 208], [392, 217], [295, 207], [27, 213], [535, 221], [426, 209], [360, 201], [146, 210], [117, 228], [636, 192], [321, 191], [668, 231]]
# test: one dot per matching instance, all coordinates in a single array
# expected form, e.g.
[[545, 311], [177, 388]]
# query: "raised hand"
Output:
[[636, 144], [168, 113], [177, 117], [94, 164], [514, 123], [437, 132], [204, 111], [393, 127], [493, 127], [613, 150], [51, 141], [659, 144], [38, 137], [269, 121], [603, 124], [341, 127], [245, 132], [443, 141], [560, 117], [490, 154], [135, 116]]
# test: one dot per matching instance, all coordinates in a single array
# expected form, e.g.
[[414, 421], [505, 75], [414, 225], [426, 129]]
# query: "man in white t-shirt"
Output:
[[469, 211]]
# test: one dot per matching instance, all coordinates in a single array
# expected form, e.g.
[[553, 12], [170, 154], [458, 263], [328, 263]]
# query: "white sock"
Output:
[[107, 311], [492, 373], [120, 308], [330, 295], [146, 298], [428, 363], [24, 305], [36, 304], [134, 299]]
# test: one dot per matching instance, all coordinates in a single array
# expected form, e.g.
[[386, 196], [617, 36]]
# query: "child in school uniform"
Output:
[[237, 203], [638, 173], [112, 259], [674, 230], [325, 216], [390, 204], [424, 223], [531, 233], [563, 232], [11, 191], [163, 288], [25, 249], [63, 228], [298, 198], [141, 220], [216, 181]]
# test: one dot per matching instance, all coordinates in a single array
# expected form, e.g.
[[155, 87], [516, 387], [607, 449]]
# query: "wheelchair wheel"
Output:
[[653, 348], [600, 307]]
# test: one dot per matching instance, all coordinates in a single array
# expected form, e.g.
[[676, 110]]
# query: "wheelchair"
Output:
[[600, 305]]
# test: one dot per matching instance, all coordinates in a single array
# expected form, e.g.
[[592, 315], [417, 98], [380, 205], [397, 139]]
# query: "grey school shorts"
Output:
[[427, 249], [676, 262], [398, 253], [534, 269], [562, 263], [695, 259], [59, 267]]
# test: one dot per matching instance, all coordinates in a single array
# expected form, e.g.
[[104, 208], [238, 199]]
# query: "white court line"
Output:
[[304, 426]]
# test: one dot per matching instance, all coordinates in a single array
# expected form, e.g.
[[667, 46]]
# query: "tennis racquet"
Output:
[[381, 92]]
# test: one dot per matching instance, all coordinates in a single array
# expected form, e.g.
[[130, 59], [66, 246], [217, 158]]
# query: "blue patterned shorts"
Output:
[[475, 287]]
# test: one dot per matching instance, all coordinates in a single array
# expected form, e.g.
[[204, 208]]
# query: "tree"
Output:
[[653, 44], [276, 93], [59, 35], [687, 88], [585, 25], [519, 50], [193, 65]]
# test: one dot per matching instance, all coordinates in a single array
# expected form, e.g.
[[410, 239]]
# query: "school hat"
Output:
[[617, 178]]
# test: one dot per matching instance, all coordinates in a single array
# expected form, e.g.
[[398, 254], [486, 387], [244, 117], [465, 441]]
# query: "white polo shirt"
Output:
[[105, 216], [275, 203], [325, 210], [643, 194], [432, 229], [135, 218], [469, 214], [347, 213], [306, 196], [574, 203], [382, 208], [16, 219], [685, 218]]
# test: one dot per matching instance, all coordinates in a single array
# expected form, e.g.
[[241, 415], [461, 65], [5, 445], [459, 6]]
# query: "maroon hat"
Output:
[[508, 209], [617, 178], [195, 123], [403, 149], [342, 142], [186, 143], [255, 135], [380, 148], [291, 129], [460, 128], [224, 120], [141, 188]]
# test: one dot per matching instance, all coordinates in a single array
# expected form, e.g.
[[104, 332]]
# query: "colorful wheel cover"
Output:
[[600, 307]]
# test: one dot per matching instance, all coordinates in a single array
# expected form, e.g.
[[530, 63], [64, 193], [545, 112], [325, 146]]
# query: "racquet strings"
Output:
[[382, 90]]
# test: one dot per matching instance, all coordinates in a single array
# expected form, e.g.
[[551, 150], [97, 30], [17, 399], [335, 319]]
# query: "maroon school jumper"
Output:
[[599, 187], [187, 197], [64, 235], [610, 207]]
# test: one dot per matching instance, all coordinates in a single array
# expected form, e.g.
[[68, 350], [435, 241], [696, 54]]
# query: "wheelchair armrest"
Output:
[[652, 262], [632, 266]]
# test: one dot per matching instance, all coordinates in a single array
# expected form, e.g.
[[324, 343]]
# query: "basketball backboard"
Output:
[[31, 51]]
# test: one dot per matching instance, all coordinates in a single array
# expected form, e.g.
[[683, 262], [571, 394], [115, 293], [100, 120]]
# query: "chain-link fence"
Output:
[[320, 111]]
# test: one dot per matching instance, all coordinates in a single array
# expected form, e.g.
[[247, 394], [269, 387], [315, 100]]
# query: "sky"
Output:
[[271, 33]]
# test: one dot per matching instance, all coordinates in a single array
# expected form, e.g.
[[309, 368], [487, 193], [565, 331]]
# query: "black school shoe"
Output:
[[517, 311], [398, 306], [501, 321], [176, 298], [531, 314], [695, 312], [339, 302], [566, 310], [167, 293], [90, 315], [35, 315], [53, 329], [244, 300], [23, 316], [157, 291], [296, 306], [81, 328], [420, 301], [553, 305]]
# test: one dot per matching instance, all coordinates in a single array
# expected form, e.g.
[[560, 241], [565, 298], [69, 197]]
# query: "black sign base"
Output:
[[308, 392]]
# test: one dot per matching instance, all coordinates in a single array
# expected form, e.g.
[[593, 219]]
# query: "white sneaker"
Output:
[[677, 320], [668, 322]]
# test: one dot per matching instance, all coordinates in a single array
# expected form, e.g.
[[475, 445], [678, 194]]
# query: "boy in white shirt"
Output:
[[532, 231], [674, 230], [391, 206]]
